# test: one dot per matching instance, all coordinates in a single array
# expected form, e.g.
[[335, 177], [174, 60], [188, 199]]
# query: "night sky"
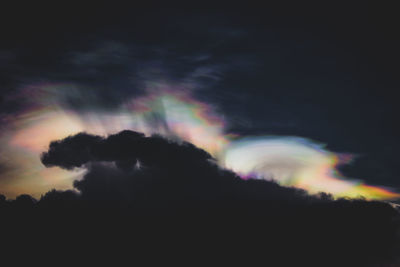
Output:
[[304, 96]]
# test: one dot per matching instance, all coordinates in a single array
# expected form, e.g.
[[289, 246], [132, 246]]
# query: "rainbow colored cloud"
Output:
[[170, 111]]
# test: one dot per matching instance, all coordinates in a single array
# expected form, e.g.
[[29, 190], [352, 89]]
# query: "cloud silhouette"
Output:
[[165, 196], [122, 148]]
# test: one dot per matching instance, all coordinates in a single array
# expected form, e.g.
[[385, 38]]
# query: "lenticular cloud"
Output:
[[174, 113], [298, 162]]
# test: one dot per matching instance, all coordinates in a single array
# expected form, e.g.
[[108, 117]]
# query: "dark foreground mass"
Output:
[[151, 199]]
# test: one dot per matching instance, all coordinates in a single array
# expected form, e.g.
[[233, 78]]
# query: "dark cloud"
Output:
[[328, 73], [124, 147], [106, 54], [151, 190]]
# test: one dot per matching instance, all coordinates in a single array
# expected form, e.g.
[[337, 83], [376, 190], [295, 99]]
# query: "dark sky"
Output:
[[325, 72]]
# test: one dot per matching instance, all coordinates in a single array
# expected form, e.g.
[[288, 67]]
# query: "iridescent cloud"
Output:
[[176, 114], [170, 111], [298, 162]]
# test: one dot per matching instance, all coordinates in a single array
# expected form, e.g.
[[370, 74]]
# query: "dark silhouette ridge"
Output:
[[178, 200]]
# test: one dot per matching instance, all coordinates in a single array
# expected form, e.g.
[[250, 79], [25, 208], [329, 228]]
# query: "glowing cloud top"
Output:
[[299, 162], [178, 115]]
